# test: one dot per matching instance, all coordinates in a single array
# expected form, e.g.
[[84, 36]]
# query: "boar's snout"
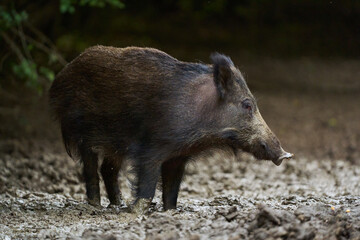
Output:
[[284, 155], [265, 144], [272, 150]]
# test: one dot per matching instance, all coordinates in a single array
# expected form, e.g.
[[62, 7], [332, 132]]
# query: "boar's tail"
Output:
[[70, 119], [71, 141]]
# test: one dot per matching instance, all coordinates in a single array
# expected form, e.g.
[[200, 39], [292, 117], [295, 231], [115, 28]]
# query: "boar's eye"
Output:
[[246, 104]]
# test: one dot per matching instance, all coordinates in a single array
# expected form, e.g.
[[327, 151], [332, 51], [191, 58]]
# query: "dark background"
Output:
[[269, 28], [300, 58]]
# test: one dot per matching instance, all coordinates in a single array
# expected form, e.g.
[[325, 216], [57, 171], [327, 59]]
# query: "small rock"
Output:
[[231, 216]]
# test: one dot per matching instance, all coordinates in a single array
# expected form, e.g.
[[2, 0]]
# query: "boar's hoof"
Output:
[[118, 204], [123, 208], [141, 206], [94, 202]]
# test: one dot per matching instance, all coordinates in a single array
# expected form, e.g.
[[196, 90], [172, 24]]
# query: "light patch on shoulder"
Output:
[[206, 95]]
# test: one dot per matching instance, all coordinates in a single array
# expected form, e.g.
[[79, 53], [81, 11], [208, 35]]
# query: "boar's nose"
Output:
[[284, 155]]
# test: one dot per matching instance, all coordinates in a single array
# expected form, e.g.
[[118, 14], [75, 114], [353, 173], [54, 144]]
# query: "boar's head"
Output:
[[241, 122]]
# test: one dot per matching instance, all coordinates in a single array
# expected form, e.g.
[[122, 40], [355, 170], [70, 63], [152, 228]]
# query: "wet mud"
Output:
[[221, 198]]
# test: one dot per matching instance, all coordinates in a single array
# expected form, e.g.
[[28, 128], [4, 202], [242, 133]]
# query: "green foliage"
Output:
[[68, 6], [48, 73], [26, 70], [29, 72], [10, 18], [24, 41]]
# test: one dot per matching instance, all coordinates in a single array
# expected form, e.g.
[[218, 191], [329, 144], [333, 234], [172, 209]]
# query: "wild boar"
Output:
[[142, 104]]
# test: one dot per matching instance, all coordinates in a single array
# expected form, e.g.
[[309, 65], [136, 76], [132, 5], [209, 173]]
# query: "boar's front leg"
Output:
[[148, 173], [91, 176], [172, 172]]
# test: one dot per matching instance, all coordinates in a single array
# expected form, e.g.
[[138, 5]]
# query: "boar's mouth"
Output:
[[284, 155], [276, 158]]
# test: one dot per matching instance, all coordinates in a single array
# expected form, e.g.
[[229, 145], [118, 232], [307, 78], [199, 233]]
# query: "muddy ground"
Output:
[[313, 106]]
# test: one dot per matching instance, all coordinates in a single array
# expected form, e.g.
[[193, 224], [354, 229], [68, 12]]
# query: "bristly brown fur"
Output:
[[142, 104]]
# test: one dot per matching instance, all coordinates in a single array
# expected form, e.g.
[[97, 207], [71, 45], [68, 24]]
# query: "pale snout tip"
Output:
[[284, 155]]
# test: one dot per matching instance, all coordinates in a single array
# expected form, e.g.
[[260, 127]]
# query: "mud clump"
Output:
[[270, 223]]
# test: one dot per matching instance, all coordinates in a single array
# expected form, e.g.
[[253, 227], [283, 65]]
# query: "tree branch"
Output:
[[6, 55], [43, 47], [13, 46], [21, 35], [45, 39]]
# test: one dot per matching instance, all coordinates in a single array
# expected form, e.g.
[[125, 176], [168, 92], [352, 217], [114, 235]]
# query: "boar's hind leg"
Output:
[[110, 170], [90, 161], [172, 172]]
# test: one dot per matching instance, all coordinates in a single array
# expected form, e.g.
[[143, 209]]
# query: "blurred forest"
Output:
[[37, 36]]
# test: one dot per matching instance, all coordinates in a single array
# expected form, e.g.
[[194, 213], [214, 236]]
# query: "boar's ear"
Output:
[[222, 72]]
